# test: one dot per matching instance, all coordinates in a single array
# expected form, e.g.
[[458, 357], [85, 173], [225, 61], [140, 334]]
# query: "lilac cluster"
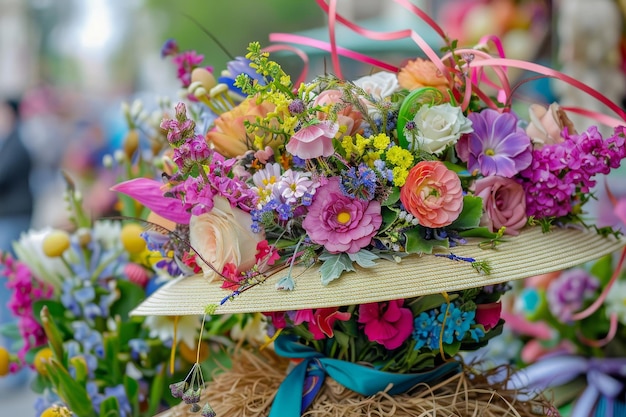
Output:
[[560, 171], [567, 294], [181, 134]]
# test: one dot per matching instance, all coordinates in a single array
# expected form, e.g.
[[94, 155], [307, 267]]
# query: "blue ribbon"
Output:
[[292, 398], [602, 385]]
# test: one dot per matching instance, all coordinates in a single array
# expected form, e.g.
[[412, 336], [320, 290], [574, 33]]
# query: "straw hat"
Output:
[[531, 253]]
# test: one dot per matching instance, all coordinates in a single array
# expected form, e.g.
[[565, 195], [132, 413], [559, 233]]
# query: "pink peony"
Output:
[[313, 141], [504, 204], [433, 194], [341, 223], [386, 323]]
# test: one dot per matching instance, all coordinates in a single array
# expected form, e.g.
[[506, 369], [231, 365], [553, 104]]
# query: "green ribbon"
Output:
[[361, 379]]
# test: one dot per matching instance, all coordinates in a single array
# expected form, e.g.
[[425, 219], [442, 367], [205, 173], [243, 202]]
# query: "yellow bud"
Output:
[[5, 361], [131, 238], [203, 76], [56, 243], [131, 143], [41, 358]]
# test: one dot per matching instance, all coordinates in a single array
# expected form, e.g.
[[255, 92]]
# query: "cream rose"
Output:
[[546, 125], [380, 85], [224, 236], [438, 127]]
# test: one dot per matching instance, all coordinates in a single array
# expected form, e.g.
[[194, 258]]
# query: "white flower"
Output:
[[438, 127], [616, 301], [380, 85], [162, 327], [108, 232], [294, 185], [265, 179], [29, 249]]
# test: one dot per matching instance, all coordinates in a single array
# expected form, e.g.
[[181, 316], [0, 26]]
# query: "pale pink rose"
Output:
[[313, 141], [224, 236], [347, 115], [433, 194], [546, 124], [504, 204]]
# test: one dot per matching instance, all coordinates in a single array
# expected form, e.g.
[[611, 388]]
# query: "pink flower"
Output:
[[504, 204], [313, 141], [149, 193], [488, 314], [386, 323], [266, 254], [347, 115], [340, 223], [433, 194], [546, 125], [323, 321]]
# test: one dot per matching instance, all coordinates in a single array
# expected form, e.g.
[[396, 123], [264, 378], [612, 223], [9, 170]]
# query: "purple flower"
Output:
[[170, 47], [569, 291], [497, 146]]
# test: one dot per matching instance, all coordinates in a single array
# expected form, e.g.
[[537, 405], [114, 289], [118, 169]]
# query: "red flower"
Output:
[[265, 253], [386, 323], [323, 321], [488, 314]]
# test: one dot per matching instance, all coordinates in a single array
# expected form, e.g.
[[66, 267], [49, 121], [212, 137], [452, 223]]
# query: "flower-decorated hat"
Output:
[[415, 180]]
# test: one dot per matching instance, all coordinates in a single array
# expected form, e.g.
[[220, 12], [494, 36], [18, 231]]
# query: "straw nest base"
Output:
[[248, 389]]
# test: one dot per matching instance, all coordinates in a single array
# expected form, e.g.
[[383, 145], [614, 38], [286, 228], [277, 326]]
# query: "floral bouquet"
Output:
[[71, 297], [374, 221], [573, 328]]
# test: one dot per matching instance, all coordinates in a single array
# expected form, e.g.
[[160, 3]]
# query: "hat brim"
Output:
[[531, 253]]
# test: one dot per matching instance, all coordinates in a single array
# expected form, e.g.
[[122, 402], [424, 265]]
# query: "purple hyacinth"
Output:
[[497, 146], [567, 294]]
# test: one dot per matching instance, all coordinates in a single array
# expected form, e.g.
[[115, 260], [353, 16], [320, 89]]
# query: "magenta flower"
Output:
[[497, 146], [148, 192], [386, 323], [313, 141], [341, 223], [488, 314]]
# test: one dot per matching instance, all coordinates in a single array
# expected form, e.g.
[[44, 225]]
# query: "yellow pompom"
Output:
[[41, 358], [56, 243], [56, 411], [5, 361], [131, 238]]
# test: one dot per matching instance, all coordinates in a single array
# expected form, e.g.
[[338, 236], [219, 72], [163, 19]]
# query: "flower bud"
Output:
[[203, 76], [42, 357], [131, 143], [131, 238], [84, 236], [177, 389], [56, 243]]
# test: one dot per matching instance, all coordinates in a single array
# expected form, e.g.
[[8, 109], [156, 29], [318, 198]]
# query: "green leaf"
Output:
[[55, 309], [70, 391], [156, 392], [428, 302], [131, 386], [363, 258], [415, 242], [393, 197], [470, 215], [334, 265], [452, 349], [603, 269], [389, 216], [341, 338], [480, 232], [110, 407], [131, 296]]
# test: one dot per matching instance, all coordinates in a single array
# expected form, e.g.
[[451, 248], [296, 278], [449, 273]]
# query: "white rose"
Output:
[[380, 85], [224, 236], [438, 127]]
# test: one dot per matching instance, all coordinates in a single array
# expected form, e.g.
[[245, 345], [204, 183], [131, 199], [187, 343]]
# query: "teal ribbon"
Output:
[[361, 379]]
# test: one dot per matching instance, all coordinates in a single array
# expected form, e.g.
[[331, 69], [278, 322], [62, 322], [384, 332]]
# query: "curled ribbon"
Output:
[[604, 380], [288, 401]]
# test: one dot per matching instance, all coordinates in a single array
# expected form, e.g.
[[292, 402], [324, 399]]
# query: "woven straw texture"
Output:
[[529, 254]]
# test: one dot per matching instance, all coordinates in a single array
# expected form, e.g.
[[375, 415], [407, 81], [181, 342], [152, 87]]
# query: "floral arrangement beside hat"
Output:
[[72, 291], [571, 325], [374, 221]]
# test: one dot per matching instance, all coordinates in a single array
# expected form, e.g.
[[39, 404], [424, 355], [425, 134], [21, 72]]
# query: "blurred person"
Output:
[[16, 209]]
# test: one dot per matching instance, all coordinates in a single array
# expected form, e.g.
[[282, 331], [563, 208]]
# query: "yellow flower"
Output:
[[5, 361], [131, 238], [56, 411], [56, 243], [41, 358], [399, 157], [381, 141], [361, 144], [347, 145], [399, 176]]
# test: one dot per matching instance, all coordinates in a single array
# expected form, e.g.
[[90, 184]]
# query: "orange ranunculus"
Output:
[[229, 137], [433, 194], [422, 73]]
